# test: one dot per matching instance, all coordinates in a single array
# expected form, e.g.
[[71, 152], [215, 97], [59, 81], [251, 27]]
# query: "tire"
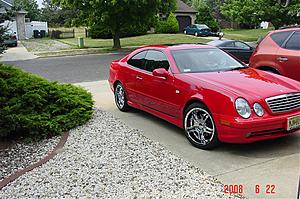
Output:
[[196, 34], [120, 98], [201, 134]]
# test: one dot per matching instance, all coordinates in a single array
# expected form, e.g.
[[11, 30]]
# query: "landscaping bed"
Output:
[[106, 159]]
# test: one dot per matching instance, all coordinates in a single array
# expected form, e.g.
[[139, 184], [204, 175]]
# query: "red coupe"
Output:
[[208, 93]]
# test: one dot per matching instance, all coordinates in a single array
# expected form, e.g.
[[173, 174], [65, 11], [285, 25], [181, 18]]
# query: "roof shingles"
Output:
[[182, 7]]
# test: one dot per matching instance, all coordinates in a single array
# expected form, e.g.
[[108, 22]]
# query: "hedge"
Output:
[[32, 106]]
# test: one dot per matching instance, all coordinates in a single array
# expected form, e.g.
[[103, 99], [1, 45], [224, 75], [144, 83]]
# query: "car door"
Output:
[[158, 93], [288, 57], [132, 75]]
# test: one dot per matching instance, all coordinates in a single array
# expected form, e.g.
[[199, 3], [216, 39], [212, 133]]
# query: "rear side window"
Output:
[[280, 37], [294, 42], [138, 60], [156, 59]]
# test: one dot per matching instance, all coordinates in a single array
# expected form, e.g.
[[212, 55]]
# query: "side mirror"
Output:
[[160, 72]]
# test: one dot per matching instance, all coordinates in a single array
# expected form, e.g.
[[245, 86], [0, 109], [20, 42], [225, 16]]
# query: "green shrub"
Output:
[[169, 26], [99, 31], [31, 105]]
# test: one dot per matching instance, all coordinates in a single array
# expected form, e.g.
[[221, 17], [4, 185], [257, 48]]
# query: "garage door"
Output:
[[183, 21]]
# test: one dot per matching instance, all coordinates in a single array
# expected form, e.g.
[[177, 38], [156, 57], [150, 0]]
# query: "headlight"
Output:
[[258, 109], [242, 107]]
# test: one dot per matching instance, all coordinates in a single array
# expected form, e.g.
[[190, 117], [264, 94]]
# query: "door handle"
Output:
[[139, 78], [282, 59]]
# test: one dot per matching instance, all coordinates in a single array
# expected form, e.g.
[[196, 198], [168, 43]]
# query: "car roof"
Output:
[[177, 46], [286, 29]]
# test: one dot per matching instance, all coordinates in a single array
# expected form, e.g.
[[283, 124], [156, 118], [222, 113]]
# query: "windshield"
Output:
[[204, 60], [202, 26]]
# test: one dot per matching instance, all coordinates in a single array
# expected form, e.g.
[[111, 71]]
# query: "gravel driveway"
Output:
[[107, 159]]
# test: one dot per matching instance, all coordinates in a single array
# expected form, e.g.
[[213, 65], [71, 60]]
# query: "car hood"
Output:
[[249, 83]]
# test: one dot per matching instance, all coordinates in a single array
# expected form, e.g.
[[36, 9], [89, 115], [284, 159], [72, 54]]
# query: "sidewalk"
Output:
[[17, 53]]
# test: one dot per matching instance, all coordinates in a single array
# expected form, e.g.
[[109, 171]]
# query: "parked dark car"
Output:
[[198, 30], [239, 49], [11, 40]]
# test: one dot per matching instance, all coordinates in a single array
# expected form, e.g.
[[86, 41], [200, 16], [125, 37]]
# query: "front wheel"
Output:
[[120, 98], [199, 127]]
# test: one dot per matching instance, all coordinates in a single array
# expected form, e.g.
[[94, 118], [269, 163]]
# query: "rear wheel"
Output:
[[196, 34], [199, 127], [120, 98]]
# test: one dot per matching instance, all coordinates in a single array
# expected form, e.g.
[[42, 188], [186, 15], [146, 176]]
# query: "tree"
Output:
[[29, 6], [55, 15], [251, 12], [205, 13], [115, 14]]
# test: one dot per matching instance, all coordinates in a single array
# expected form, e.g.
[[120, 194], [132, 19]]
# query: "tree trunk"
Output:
[[116, 38]]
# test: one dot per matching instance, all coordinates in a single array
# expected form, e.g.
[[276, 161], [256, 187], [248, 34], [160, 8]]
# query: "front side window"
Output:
[[138, 60], [280, 37], [294, 42], [156, 59], [204, 60]]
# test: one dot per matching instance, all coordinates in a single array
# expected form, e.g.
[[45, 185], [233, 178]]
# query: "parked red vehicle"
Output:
[[279, 52], [208, 93]]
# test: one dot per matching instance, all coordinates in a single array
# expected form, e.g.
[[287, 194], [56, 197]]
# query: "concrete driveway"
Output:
[[267, 163]]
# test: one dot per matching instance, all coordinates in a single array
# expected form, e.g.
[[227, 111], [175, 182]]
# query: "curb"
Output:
[[49, 156]]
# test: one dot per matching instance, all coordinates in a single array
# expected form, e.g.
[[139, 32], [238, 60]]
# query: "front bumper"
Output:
[[238, 130]]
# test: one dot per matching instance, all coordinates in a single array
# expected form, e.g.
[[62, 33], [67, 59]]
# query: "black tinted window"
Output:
[[138, 60], [294, 42], [280, 37], [156, 59]]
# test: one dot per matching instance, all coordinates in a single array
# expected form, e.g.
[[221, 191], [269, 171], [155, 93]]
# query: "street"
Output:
[[272, 162], [70, 69]]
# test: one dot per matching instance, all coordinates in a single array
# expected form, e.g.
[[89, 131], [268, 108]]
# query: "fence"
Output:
[[62, 34]]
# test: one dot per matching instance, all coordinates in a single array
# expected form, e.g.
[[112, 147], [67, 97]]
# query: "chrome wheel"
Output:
[[120, 96], [199, 126], [196, 34], [184, 32]]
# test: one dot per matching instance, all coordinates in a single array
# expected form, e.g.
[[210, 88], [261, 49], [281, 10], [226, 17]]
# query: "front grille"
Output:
[[284, 103]]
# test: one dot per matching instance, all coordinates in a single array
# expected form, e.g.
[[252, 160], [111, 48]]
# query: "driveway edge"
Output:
[[49, 156]]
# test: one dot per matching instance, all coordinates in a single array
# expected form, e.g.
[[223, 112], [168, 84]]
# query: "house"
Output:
[[185, 15]]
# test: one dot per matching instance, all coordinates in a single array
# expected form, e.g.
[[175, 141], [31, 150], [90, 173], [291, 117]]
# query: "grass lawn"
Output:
[[148, 39], [245, 34]]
